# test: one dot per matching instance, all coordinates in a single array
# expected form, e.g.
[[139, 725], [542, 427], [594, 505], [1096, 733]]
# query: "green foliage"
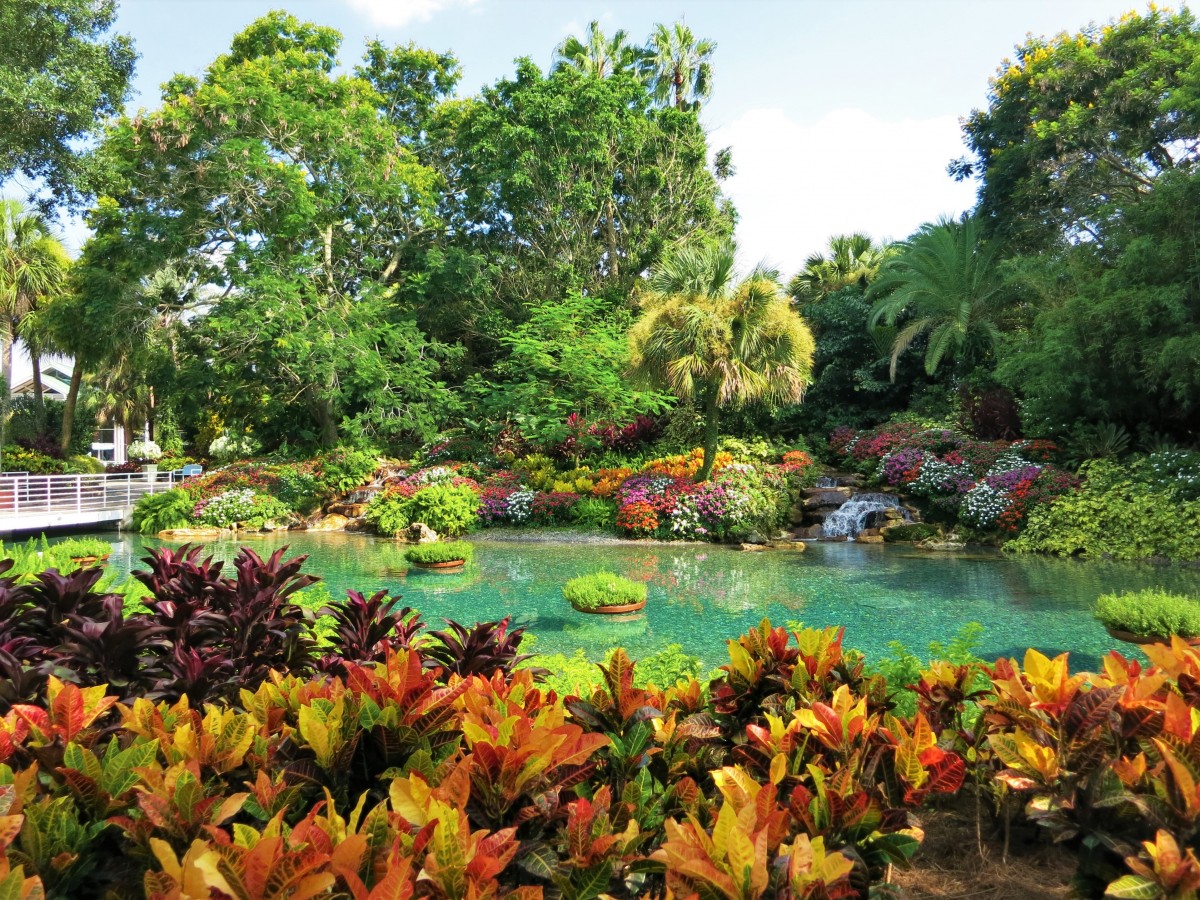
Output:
[[388, 512], [163, 512], [595, 512], [448, 509], [666, 667], [344, 469], [85, 465], [1117, 513], [61, 59], [32, 424], [440, 551], [243, 508], [83, 547], [902, 668], [19, 459], [910, 533], [570, 356], [1080, 126], [600, 589], [1151, 612]]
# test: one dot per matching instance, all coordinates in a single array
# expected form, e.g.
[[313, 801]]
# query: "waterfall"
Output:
[[850, 518], [825, 482]]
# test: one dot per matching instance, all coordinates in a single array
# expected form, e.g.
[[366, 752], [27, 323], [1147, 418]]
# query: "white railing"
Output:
[[22, 494]]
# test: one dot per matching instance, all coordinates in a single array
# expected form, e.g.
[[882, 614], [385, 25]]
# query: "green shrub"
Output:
[[594, 512], [666, 667], [343, 469], [84, 465], [242, 507], [601, 589], [447, 509], [388, 512], [162, 512], [76, 548], [1150, 612], [1119, 512], [33, 557], [440, 551], [19, 459], [918, 531]]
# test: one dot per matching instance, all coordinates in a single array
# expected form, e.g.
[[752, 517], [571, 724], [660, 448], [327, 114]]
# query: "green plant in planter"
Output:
[[600, 589], [79, 548], [1150, 613], [162, 512], [447, 509], [440, 552]]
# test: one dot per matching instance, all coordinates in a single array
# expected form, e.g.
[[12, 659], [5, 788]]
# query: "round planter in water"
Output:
[[1130, 638], [613, 610], [442, 566]]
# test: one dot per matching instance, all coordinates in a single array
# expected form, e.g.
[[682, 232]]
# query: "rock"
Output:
[[787, 545], [349, 510], [755, 538], [834, 539], [869, 539], [752, 548], [815, 498], [420, 533], [329, 523], [187, 534], [796, 514], [941, 546], [810, 532], [359, 524], [869, 532]]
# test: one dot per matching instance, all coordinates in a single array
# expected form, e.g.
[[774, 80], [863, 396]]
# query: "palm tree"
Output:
[[945, 282], [677, 66], [851, 259], [33, 265], [598, 55], [705, 336]]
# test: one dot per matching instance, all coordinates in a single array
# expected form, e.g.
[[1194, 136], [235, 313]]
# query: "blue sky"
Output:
[[842, 115]]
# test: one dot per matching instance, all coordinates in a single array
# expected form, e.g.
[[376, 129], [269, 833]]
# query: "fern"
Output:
[[162, 512]]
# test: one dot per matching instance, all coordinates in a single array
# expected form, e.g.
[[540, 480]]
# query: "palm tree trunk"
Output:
[[36, 359], [68, 421], [6, 355], [712, 417]]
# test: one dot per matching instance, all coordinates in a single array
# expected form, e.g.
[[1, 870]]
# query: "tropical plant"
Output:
[[852, 259], [440, 552], [81, 548], [597, 54], [944, 283], [163, 512], [678, 67], [600, 589], [705, 336], [144, 451], [1150, 613]]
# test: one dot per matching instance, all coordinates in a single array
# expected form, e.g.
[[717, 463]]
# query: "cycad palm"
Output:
[[677, 66], [33, 265], [705, 336], [851, 259], [597, 54], [948, 284]]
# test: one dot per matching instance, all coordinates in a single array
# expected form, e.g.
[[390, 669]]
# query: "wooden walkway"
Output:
[[33, 503]]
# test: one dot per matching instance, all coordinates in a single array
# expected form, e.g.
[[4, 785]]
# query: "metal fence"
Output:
[[22, 494]]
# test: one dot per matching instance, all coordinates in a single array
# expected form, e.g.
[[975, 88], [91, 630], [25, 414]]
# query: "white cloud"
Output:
[[797, 185], [398, 13]]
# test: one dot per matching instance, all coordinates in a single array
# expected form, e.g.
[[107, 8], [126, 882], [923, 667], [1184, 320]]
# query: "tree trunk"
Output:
[[323, 413], [6, 354], [712, 416], [68, 421], [36, 359]]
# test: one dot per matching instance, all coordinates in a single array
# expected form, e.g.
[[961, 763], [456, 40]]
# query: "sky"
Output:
[[842, 116]]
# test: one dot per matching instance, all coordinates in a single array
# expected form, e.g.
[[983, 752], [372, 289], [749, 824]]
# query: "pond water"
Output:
[[701, 595]]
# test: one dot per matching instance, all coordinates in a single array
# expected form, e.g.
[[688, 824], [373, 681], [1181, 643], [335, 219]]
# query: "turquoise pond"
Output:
[[701, 595]]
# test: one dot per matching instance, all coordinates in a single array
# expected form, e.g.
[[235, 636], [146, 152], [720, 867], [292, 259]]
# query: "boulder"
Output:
[[810, 532], [752, 548], [941, 546], [332, 522], [796, 514], [349, 510], [755, 538], [787, 545], [816, 498], [869, 539], [833, 539], [191, 534], [420, 533]]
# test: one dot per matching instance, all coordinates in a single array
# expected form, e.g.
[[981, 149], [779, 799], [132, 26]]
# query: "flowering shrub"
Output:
[[901, 467], [144, 450], [686, 465], [639, 518], [554, 507], [243, 508]]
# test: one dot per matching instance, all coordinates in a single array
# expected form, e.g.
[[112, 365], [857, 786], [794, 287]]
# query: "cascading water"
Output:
[[850, 518], [825, 482]]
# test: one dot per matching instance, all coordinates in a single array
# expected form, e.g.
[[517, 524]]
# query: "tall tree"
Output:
[[61, 74], [1080, 126], [944, 283], [33, 265], [306, 194], [705, 336], [597, 54], [678, 66], [852, 259]]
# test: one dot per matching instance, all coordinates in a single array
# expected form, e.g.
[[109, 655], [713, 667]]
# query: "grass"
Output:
[[442, 551], [601, 589], [1150, 613]]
